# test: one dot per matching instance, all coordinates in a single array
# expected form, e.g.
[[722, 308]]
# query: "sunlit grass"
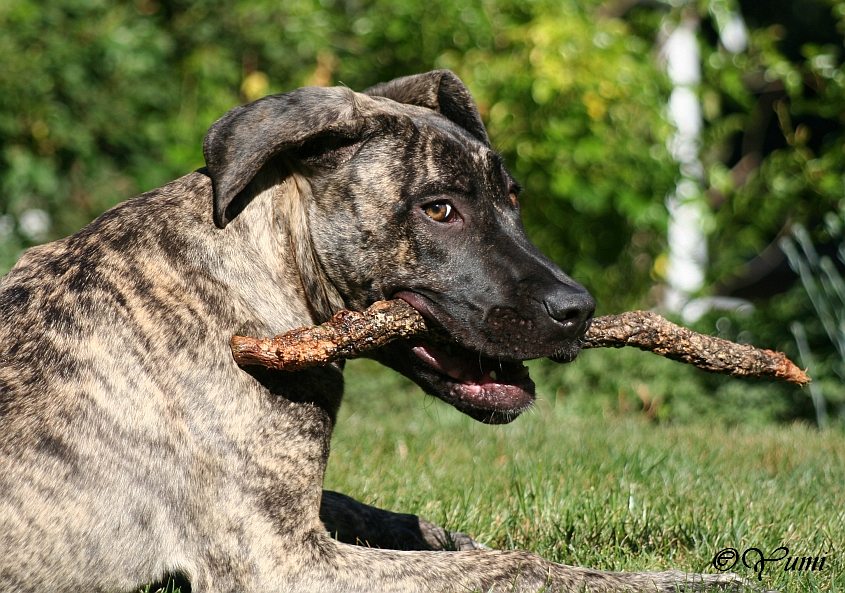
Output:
[[609, 491]]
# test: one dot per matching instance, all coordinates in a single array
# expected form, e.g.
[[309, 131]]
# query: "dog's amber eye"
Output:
[[514, 199], [440, 211]]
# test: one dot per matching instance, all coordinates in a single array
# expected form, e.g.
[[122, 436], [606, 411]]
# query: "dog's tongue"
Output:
[[460, 369], [487, 389], [471, 368]]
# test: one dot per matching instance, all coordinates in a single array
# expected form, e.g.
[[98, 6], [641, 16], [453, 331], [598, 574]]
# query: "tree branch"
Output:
[[350, 334], [649, 331]]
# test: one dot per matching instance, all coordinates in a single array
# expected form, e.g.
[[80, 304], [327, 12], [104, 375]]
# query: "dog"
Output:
[[133, 447]]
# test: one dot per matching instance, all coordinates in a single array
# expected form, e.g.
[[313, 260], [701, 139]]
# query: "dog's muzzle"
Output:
[[481, 371]]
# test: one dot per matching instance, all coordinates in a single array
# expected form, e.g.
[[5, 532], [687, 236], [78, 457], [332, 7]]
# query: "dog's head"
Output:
[[408, 200]]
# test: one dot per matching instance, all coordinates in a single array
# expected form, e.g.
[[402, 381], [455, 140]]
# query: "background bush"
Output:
[[102, 100]]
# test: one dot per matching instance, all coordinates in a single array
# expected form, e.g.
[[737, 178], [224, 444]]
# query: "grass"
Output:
[[603, 485], [612, 491]]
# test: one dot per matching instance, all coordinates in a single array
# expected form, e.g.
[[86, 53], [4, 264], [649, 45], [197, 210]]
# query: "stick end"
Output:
[[797, 375]]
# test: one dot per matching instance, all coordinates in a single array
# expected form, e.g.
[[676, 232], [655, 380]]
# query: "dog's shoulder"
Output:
[[73, 310], [58, 285], [141, 226]]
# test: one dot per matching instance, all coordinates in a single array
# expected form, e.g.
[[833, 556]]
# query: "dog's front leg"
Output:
[[353, 522], [353, 569]]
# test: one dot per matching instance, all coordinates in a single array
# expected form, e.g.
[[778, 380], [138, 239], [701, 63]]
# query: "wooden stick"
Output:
[[350, 334], [649, 331]]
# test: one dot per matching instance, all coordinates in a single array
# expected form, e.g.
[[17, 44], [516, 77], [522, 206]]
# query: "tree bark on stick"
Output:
[[649, 331], [350, 334]]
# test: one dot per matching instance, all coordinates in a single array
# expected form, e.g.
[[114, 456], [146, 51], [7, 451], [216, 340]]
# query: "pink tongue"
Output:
[[460, 370]]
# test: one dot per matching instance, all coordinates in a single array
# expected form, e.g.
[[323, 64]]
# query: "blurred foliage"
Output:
[[775, 148], [774, 152], [102, 100], [825, 288]]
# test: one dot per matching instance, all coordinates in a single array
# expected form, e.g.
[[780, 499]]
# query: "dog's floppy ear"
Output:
[[241, 142], [439, 90]]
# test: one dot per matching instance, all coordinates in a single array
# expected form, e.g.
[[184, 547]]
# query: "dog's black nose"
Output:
[[571, 308]]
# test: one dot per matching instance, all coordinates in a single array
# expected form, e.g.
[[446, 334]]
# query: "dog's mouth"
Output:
[[491, 390]]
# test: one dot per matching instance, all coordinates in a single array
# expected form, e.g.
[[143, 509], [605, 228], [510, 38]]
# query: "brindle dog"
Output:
[[131, 444]]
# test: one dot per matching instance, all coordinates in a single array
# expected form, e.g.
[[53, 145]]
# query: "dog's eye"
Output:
[[440, 211], [514, 199]]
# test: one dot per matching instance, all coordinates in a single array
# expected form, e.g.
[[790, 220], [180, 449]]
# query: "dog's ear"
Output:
[[439, 90], [241, 142]]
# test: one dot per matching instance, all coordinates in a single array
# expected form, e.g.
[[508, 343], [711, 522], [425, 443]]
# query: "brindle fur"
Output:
[[132, 446]]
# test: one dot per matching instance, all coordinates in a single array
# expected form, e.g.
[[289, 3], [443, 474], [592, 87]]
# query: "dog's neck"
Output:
[[267, 250], [292, 201]]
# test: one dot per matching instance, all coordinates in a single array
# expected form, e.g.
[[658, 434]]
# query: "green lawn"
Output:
[[612, 491]]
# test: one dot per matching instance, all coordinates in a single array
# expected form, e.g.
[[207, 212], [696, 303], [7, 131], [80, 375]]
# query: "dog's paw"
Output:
[[461, 541], [441, 539]]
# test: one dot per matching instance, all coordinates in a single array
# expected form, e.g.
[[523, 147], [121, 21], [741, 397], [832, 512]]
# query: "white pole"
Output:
[[687, 258], [688, 209]]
